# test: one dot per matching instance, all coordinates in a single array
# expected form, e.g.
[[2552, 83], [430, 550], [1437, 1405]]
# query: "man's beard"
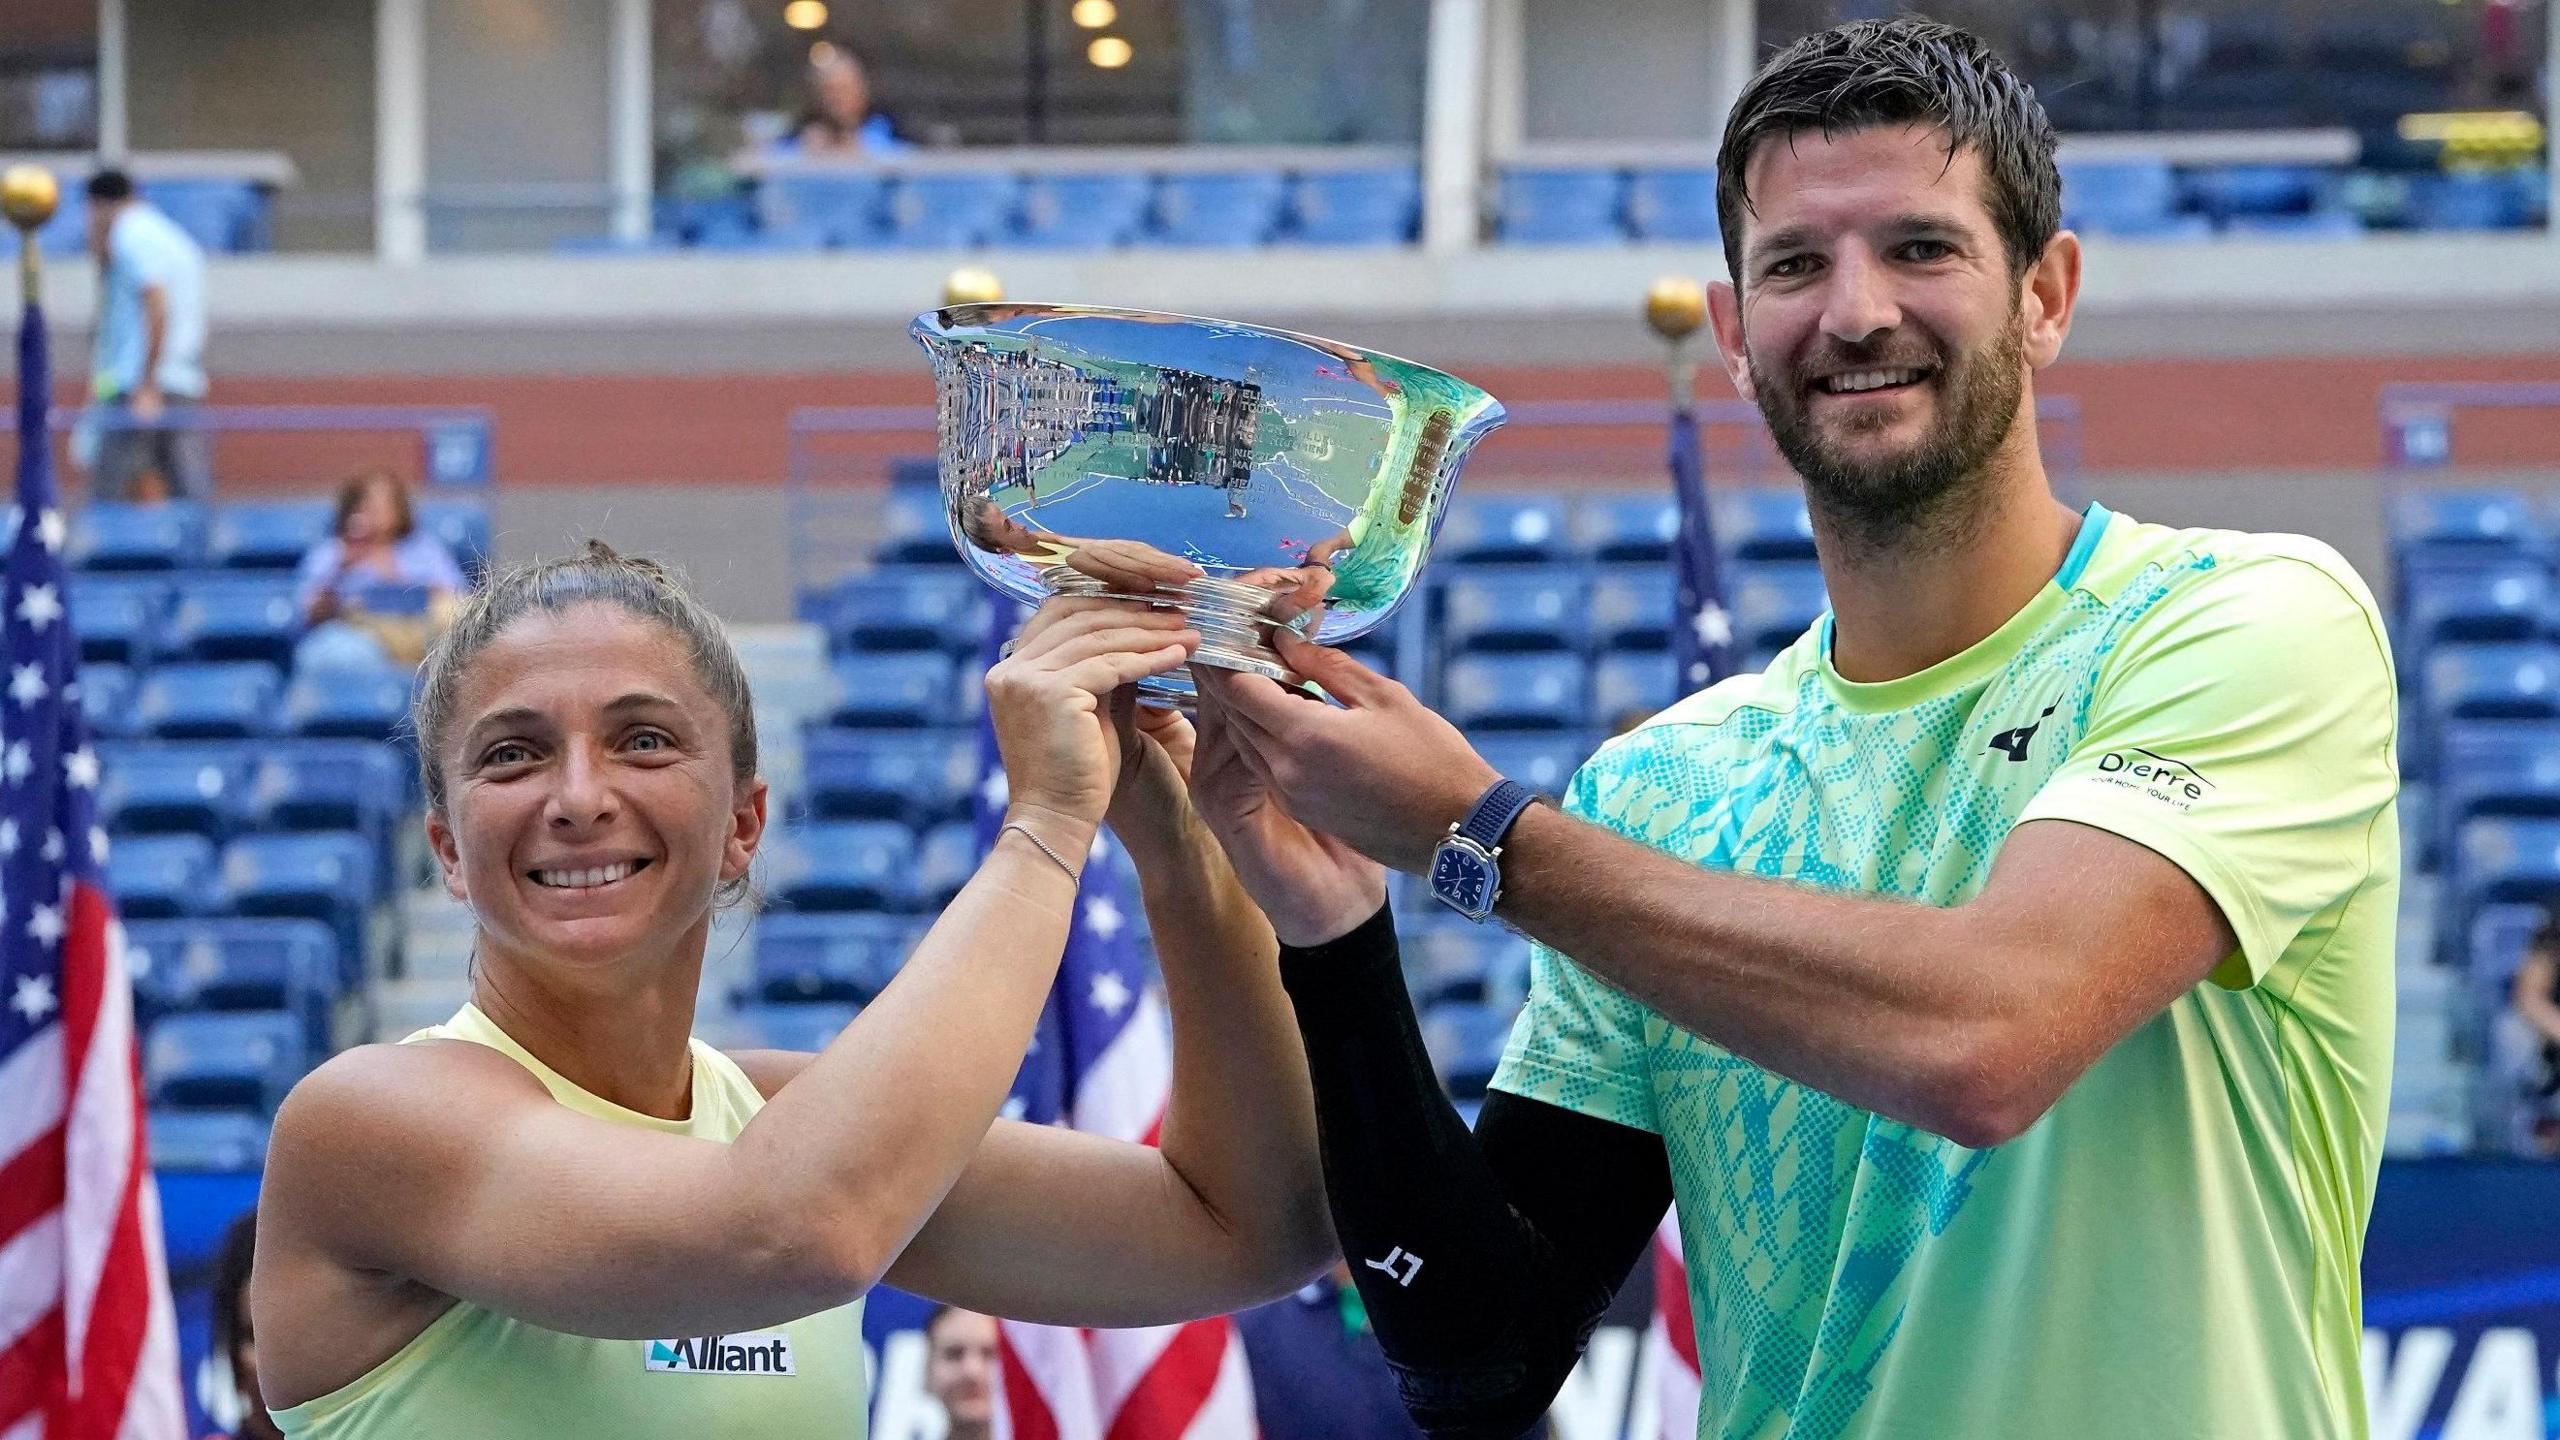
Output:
[[1924, 493]]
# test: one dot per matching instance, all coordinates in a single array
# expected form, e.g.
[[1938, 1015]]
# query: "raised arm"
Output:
[[445, 1170]]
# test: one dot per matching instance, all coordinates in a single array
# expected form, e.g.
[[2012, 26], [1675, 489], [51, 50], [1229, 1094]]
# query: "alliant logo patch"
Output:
[[765, 1352]]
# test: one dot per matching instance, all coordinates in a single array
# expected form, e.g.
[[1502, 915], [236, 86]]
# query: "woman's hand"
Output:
[[1150, 801], [1312, 886], [1051, 703]]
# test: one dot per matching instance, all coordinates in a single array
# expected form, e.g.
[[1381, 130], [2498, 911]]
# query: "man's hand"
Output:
[[148, 403], [1383, 774], [1313, 887]]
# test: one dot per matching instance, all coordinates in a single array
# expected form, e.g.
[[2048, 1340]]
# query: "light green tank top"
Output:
[[477, 1373]]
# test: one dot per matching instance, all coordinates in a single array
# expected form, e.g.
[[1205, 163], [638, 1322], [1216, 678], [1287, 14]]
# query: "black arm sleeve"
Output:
[[1485, 1258]]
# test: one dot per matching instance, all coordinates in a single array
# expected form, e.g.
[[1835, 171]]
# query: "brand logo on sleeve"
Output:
[[764, 1352], [2014, 743], [2163, 777]]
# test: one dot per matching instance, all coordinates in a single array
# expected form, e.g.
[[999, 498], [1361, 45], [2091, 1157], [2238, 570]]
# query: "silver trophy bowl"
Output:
[[1248, 477]]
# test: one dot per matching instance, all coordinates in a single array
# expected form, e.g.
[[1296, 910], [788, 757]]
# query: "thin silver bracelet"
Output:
[[1072, 872]]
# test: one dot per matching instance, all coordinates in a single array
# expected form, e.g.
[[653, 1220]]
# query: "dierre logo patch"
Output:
[[2163, 776]]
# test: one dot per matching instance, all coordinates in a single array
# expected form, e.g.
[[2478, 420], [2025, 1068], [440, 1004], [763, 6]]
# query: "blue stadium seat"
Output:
[[685, 218], [2229, 192], [946, 856], [2313, 225], [842, 865], [208, 1142], [229, 701], [1465, 1041], [2493, 682], [843, 208], [233, 617], [937, 607], [1560, 207], [349, 704], [197, 965], [67, 233], [118, 617], [1626, 527], [899, 691], [108, 535], [1773, 603], [2502, 858], [913, 527], [1355, 207], [225, 216], [1534, 691], [1215, 209], [1517, 607], [805, 1028], [2126, 197], [2502, 600], [196, 789], [266, 534], [461, 525], [159, 877], [916, 776], [843, 959], [243, 1060], [358, 785], [1630, 684], [2497, 940], [1542, 762], [1475, 963], [771, 239], [1676, 204], [1762, 523], [327, 876], [1631, 607], [2492, 767], [1502, 527], [1084, 212], [2474, 200], [2435, 519], [106, 699], [950, 211]]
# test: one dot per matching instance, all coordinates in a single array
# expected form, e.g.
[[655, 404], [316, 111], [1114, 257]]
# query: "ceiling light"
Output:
[[805, 14], [1094, 14], [1109, 52]]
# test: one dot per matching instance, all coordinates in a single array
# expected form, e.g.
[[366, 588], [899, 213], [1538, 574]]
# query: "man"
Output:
[[149, 366], [960, 1369], [2001, 983], [840, 120]]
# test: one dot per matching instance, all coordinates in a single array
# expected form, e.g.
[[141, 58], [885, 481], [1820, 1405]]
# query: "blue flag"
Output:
[[1701, 625]]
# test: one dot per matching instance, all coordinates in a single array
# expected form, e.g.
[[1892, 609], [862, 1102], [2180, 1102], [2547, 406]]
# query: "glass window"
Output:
[[2102, 65], [49, 75]]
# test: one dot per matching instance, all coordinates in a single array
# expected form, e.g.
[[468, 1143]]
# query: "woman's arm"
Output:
[[578, 1225], [1229, 1210]]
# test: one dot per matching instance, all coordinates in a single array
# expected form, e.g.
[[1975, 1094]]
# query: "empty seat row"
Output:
[[1555, 690], [194, 615], [1558, 607], [240, 700], [868, 209], [190, 966], [257, 535], [225, 1061], [328, 876], [846, 865], [219, 789], [224, 215]]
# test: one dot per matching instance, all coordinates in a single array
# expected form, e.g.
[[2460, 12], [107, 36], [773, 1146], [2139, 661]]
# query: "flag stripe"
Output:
[[30, 1277], [1169, 1396], [31, 1368], [30, 1189], [31, 1077]]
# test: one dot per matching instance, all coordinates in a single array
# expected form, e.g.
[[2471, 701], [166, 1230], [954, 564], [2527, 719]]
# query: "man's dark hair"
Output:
[[110, 185], [1895, 72]]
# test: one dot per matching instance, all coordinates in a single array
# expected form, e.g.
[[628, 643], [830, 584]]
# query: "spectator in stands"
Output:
[[148, 365], [235, 1335], [840, 120], [1317, 1371], [480, 1232], [378, 590], [2537, 1005], [960, 1370]]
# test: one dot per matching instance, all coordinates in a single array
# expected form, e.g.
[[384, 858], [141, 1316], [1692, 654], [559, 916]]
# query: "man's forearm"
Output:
[[1890, 1005], [1240, 1128], [155, 336]]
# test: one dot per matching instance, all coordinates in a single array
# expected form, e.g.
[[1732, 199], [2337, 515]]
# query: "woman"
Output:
[[2536, 997], [235, 1339], [513, 1225], [378, 590]]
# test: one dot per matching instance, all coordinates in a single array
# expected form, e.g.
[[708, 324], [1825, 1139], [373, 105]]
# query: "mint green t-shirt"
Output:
[[2171, 1252]]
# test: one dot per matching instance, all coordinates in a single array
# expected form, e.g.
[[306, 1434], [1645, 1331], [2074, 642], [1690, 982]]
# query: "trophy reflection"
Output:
[[1246, 476]]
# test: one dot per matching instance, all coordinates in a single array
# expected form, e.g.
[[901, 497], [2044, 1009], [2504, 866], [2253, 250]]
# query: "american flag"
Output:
[[1702, 647], [1102, 1061], [88, 1344]]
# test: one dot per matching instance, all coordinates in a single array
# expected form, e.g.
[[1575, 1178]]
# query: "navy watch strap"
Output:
[[1493, 814]]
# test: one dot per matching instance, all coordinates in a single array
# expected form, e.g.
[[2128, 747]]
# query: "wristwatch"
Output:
[[1466, 871]]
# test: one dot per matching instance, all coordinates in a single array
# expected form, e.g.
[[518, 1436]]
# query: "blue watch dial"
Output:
[[1460, 878]]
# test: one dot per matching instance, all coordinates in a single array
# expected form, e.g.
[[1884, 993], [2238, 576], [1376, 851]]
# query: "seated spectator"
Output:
[[960, 1370], [840, 120], [2537, 1005], [235, 1339], [377, 591]]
